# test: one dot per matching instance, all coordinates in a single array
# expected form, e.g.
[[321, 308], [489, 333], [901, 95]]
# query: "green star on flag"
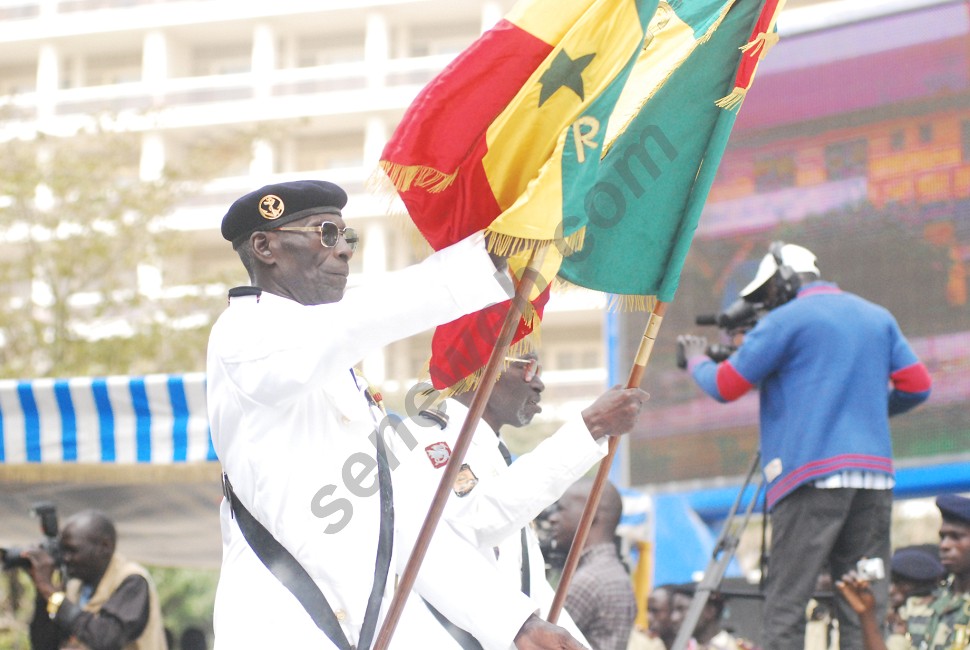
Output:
[[564, 72]]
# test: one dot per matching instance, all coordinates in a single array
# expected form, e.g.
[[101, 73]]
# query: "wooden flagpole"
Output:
[[596, 491], [475, 410]]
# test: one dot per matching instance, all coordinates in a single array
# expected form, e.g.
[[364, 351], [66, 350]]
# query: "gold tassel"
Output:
[[505, 245], [469, 383], [733, 100], [761, 44], [529, 314], [607, 146], [528, 343], [404, 177], [621, 302]]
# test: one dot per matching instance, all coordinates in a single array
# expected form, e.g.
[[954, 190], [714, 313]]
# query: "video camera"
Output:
[[10, 558], [740, 316]]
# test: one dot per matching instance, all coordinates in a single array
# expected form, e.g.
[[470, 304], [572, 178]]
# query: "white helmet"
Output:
[[796, 258]]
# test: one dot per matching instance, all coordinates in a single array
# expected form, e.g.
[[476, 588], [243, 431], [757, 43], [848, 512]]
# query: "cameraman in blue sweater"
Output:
[[831, 368]]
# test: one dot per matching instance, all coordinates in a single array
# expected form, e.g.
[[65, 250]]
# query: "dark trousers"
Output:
[[814, 529]]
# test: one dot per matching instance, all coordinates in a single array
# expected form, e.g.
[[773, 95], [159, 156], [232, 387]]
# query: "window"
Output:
[[897, 141], [926, 133], [846, 159], [104, 70], [226, 59], [965, 140], [333, 151], [18, 79], [773, 172], [313, 51], [429, 40]]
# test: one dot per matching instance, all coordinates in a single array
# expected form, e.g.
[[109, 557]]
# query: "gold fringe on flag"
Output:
[[761, 44], [404, 177], [623, 302], [655, 28], [505, 245], [379, 185], [731, 101], [757, 48], [529, 343], [615, 302]]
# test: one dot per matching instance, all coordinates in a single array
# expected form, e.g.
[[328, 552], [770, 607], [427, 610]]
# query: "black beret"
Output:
[[917, 564], [954, 507], [273, 205]]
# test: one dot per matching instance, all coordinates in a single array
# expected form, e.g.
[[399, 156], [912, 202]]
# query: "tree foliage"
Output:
[[81, 232]]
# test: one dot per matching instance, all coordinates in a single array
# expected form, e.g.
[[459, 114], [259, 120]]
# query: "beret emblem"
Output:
[[271, 207]]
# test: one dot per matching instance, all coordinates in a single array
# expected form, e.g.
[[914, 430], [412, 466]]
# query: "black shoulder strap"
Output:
[[464, 638], [525, 568], [291, 573]]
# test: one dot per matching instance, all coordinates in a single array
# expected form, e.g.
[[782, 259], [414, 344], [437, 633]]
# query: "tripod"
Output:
[[724, 550]]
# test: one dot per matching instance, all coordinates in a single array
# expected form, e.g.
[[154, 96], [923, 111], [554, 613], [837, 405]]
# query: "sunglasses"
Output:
[[531, 367], [329, 234]]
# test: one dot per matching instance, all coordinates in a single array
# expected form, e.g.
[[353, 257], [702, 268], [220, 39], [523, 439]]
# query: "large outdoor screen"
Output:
[[855, 143]]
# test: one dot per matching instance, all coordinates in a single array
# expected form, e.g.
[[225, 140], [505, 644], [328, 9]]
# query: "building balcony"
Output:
[[351, 90]]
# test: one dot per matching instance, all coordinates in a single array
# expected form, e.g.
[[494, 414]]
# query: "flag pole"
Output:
[[475, 410], [596, 491]]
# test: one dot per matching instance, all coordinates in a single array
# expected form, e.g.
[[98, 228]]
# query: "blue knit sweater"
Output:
[[823, 363]]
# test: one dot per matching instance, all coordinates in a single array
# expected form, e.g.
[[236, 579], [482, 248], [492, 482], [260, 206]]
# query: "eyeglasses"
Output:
[[329, 234], [531, 367]]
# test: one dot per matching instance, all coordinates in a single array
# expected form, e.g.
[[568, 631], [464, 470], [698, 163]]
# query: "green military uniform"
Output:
[[915, 615], [948, 625]]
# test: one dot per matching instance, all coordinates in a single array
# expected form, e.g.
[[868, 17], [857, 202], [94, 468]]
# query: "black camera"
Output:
[[47, 513], [740, 316]]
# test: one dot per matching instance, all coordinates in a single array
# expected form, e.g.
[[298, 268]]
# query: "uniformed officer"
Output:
[[916, 573], [494, 499], [311, 525], [948, 627]]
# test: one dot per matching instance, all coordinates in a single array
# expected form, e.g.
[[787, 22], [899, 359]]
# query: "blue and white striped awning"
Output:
[[156, 419]]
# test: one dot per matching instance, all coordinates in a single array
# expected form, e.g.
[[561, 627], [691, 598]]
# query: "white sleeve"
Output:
[[498, 506], [273, 361]]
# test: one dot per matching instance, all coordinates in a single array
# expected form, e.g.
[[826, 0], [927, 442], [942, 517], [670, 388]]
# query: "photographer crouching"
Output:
[[831, 368], [104, 602]]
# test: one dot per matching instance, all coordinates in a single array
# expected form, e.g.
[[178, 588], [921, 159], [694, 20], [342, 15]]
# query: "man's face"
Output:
[[515, 400], [564, 518], [658, 614], [678, 610], [85, 554], [955, 547], [899, 589], [311, 273]]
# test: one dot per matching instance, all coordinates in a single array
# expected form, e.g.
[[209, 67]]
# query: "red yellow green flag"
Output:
[[664, 145], [509, 136]]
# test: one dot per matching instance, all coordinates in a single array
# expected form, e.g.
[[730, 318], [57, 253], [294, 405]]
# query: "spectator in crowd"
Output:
[[600, 597], [709, 632], [822, 359], [494, 498], [948, 626], [107, 601], [914, 575], [660, 632]]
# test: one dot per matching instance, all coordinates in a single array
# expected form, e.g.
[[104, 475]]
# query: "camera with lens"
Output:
[[871, 569], [738, 318], [46, 512]]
